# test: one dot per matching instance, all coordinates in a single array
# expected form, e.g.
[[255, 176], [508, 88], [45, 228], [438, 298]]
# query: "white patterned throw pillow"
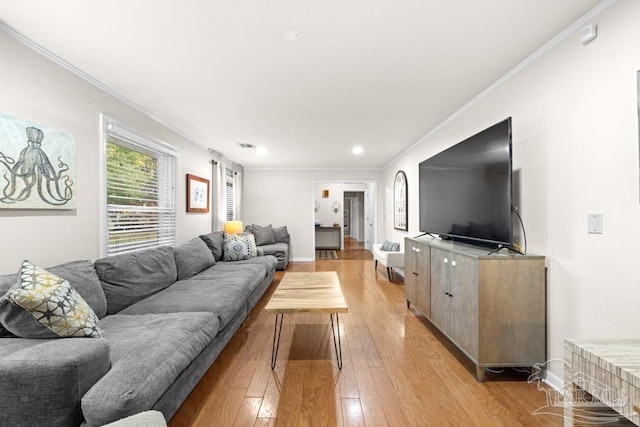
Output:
[[43, 305], [235, 250], [248, 239]]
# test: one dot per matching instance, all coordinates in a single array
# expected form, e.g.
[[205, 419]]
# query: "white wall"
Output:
[[285, 197], [35, 88], [326, 214], [575, 152]]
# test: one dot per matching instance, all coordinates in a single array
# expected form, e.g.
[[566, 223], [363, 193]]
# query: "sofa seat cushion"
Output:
[[269, 263], [278, 250], [49, 376], [252, 270], [148, 352], [223, 296]]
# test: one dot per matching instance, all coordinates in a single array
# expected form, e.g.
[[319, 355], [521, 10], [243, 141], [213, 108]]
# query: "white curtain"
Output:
[[219, 201], [220, 166], [237, 190]]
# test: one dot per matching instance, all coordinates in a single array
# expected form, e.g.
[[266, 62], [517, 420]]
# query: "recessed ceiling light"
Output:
[[261, 151], [290, 35], [357, 150]]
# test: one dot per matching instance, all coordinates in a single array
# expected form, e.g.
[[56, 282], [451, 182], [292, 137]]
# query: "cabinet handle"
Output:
[[415, 274], [451, 295]]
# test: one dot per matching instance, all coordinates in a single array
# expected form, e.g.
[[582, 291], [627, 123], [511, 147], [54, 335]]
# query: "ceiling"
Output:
[[376, 73]]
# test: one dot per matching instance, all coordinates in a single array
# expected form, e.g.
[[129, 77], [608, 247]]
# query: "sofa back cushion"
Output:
[[192, 257], [281, 234], [215, 243], [6, 282], [129, 278], [264, 235], [82, 276]]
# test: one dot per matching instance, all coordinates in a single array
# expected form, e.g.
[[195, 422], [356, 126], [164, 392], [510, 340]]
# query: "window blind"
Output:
[[140, 184], [230, 193]]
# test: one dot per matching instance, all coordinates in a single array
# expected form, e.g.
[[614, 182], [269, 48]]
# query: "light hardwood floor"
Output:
[[398, 370]]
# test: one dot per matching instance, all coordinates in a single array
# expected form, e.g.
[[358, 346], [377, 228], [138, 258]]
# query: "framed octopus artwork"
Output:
[[37, 166]]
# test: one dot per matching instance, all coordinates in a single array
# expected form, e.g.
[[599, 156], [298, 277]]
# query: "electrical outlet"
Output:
[[595, 223]]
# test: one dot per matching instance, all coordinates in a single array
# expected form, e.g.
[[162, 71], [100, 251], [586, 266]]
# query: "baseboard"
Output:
[[302, 259], [552, 380]]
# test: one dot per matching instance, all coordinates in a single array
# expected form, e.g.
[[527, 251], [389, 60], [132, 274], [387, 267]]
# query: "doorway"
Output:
[[354, 216], [348, 208]]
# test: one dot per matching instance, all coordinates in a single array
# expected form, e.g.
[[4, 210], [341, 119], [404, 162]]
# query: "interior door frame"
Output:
[[369, 186]]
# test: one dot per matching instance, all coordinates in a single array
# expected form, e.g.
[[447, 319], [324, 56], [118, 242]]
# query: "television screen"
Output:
[[466, 191]]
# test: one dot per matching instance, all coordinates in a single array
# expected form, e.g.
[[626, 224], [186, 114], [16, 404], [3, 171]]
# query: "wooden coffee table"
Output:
[[316, 292]]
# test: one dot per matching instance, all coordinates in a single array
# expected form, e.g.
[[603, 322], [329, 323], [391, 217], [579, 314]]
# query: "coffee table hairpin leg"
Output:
[[335, 332], [276, 345], [277, 331]]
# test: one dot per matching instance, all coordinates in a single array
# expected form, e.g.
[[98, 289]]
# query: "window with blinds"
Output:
[[229, 174], [140, 186]]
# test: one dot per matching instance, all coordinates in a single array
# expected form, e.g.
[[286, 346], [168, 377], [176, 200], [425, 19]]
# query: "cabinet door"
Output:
[[410, 273], [440, 299], [423, 277], [463, 288]]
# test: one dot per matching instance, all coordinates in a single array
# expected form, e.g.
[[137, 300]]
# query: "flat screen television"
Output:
[[465, 192]]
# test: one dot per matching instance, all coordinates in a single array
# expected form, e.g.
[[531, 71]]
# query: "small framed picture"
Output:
[[197, 194]]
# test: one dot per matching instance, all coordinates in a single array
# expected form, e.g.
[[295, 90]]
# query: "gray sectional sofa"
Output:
[[166, 313], [272, 241]]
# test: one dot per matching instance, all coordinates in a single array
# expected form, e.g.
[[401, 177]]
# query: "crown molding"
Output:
[[576, 26], [93, 81]]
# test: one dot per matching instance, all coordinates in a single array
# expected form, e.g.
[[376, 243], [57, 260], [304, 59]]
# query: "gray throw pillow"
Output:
[[390, 247], [192, 257], [264, 235]]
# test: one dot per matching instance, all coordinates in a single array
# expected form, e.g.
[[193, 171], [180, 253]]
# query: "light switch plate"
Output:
[[595, 223]]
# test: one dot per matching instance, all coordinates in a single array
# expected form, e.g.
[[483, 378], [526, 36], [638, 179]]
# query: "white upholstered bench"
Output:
[[388, 259]]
